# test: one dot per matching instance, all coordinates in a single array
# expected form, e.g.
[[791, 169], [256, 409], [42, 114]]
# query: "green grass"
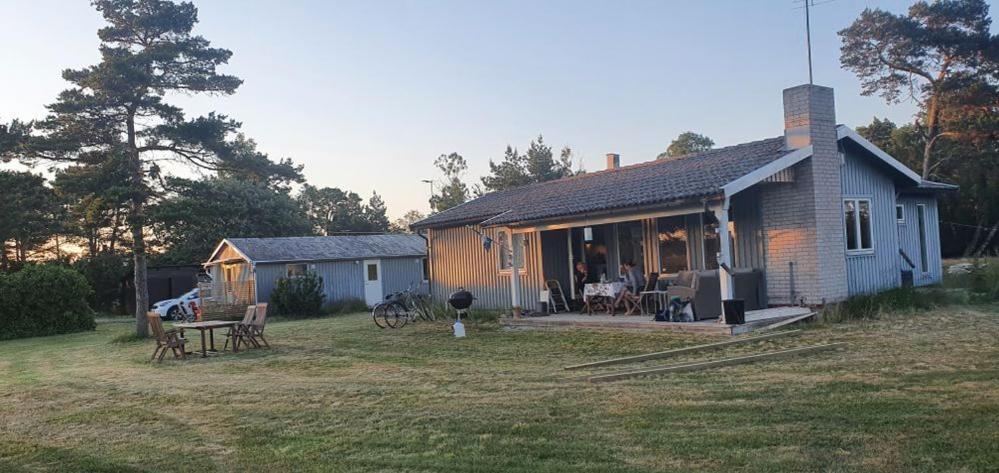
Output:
[[913, 392]]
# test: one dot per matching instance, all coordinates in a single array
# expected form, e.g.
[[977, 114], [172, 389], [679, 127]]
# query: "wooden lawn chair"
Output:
[[237, 333], [172, 339], [255, 331]]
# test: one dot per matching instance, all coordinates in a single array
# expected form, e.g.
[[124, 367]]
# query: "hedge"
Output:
[[44, 300]]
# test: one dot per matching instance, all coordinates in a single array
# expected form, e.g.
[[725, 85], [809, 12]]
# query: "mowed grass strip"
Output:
[[913, 392]]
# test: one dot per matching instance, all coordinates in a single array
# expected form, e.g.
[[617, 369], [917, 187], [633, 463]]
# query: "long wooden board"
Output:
[[785, 322], [679, 351], [739, 360]]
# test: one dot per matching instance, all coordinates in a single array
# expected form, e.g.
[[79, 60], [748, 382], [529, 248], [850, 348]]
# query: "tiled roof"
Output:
[[323, 248], [655, 182]]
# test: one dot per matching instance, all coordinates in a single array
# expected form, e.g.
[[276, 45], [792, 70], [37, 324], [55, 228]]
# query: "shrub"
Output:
[[44, 300], [299, 297], [346, 305], [983, 282], [902, 299]]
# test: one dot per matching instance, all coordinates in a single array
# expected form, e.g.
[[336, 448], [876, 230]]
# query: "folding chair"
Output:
[[172, 339]]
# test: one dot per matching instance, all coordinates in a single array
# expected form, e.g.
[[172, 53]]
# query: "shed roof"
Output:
[[326, 248]]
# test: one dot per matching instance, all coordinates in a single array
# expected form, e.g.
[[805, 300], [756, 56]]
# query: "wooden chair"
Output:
[[172, 339], [237, 333], [255, 331]]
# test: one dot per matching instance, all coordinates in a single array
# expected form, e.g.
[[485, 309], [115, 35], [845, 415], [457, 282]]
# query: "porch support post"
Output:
[[725, 252], [515, 276], [572, 264]]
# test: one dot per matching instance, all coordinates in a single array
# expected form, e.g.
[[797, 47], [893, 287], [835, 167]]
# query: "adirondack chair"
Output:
[[255, 331], [165, 339], [237, 333]]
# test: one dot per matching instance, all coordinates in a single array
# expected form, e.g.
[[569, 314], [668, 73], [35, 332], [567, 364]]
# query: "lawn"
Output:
[[915, 392]]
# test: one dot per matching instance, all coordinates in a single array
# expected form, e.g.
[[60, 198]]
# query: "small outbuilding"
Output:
[[366, 267]]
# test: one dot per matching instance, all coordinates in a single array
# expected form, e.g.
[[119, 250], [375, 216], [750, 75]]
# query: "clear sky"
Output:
[[367, 93]]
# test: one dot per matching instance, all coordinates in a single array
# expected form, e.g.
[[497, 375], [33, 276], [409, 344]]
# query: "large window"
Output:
[[629, 244], [673, 245], [857, 220], [595, 251], [711, 246]]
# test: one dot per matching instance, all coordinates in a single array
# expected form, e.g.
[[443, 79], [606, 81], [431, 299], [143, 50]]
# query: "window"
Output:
[[857, 220], [372, 271], [711, 246], [510, 250], [295, 270], [924, 263], [425, 263], [899, 214], [673, 244], [630, 244]]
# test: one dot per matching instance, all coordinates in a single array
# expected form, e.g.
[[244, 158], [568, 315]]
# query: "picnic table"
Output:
[[206, 326], [601, 295]]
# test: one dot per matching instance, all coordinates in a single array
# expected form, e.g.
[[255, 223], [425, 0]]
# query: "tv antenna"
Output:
[[808, 31]]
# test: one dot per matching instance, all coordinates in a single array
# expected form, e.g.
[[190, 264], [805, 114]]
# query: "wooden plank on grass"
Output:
[[785, 322], [739, 360], [679, 351]]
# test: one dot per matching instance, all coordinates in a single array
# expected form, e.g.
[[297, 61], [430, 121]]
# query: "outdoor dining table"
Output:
[[602, 293], [206, 326]]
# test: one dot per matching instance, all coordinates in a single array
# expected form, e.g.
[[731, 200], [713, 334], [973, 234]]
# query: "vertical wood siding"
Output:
[[909, 237], [748, 241], [457, 259], [341, 279], [555, 257], [398, 274], [869, 273]]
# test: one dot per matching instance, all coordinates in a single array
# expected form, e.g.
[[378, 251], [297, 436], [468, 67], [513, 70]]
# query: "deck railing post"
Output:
[[725, 253]]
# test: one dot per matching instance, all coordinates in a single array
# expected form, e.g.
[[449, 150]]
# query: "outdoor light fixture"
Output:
[[588, 233]]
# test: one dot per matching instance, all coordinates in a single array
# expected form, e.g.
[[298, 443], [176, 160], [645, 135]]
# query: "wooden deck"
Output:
[[754, 319]]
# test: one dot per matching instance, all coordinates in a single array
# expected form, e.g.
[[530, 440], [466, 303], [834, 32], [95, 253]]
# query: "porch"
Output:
[[755, 319]]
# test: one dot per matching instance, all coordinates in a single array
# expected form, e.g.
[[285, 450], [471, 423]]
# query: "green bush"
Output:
[[299, 297], [983, 282], [901, 299], [44, 300], [346, 305]]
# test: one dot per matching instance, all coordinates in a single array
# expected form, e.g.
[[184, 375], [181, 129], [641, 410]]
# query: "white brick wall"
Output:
[[803, 221]]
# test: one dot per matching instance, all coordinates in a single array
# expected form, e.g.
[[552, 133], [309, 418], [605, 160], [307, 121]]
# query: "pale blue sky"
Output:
[[367, 93]]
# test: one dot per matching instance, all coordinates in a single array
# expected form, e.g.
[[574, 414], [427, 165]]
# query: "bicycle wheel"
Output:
[[378, 315], [425, 309], [396, 315]]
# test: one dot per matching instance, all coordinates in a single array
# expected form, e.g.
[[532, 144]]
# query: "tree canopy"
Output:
[[686, 143], [537, 165], [453, 191], [332, 211]]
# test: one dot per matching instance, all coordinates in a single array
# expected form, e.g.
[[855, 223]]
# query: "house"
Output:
[[369, 267], [819, 213]]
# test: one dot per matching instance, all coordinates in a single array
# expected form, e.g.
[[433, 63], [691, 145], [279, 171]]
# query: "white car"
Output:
[[180, 308]]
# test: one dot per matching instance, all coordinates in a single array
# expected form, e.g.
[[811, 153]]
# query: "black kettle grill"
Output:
[[461, 299]]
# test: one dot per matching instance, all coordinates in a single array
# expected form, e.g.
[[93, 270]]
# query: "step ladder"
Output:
[[556, 298]]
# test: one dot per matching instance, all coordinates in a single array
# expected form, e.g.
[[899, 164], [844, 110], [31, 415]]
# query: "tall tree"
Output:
[[29, 216], [195, 215], [332, 210], [118, 107], [97, 199], [537, 165], [375, 214], [453, 191], [939, 55], [686, 143], [401, 224]]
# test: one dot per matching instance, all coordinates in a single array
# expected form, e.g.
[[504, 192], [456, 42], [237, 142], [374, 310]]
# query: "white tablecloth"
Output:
[[606, 289]]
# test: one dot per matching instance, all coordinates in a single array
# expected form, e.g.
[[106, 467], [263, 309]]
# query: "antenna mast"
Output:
[[808, 41]]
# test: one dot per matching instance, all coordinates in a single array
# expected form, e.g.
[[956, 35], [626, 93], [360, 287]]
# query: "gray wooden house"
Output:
[[366, 267], [818, 213]]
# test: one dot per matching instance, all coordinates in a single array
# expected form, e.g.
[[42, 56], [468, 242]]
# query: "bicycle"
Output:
[[400, 308]]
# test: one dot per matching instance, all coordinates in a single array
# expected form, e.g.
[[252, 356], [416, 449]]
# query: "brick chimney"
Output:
[[812, 206], [613, 160]]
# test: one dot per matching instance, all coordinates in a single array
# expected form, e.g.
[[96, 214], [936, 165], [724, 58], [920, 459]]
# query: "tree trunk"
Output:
[[137, 222], [969, 249], [988, 240]]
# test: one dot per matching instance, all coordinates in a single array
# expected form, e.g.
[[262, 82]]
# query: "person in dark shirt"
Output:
[[582, 277]]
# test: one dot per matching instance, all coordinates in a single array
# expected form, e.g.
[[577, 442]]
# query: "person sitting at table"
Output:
[[634, 282], [582, 277]]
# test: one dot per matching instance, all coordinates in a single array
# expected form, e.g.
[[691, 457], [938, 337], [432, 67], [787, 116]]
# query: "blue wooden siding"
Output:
[[398, 274], [879, 269], [341, 279], [909, 235], [457, 259]]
